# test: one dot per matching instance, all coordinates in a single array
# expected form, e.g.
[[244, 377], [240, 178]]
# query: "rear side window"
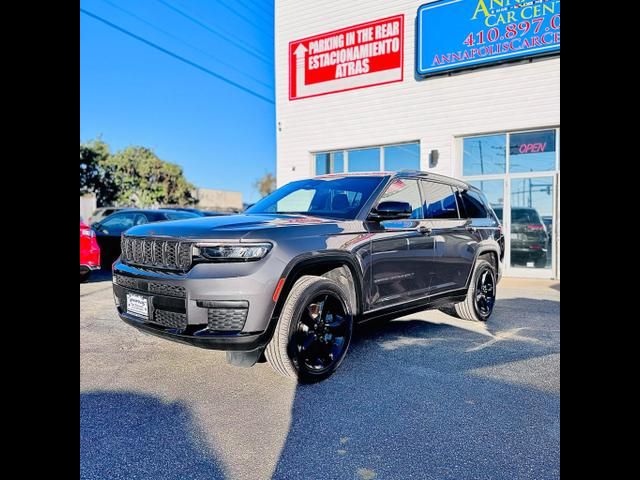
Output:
[[474, 204], [118, 223], [439, 201]]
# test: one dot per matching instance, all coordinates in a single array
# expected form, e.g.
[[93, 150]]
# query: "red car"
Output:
[[89, 251]]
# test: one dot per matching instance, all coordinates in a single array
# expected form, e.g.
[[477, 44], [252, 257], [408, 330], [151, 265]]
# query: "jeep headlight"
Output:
[[236, 252]]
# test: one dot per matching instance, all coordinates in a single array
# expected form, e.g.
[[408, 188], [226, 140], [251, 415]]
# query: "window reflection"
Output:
[[531, 205], [484, 155], [402, 157], [405, 156], [329, 163], [365, 160]]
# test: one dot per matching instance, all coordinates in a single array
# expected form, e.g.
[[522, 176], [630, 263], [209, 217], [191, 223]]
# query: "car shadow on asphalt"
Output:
[[129, 435], [434, 399]]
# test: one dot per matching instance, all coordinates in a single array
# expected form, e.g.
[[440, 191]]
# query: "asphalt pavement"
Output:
[[423, 397]]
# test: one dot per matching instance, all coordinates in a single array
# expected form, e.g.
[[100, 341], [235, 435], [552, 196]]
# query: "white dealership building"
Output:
[[465, 88]]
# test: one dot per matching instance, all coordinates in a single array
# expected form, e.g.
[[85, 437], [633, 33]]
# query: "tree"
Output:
[[95, 176], [266, 184], [145, 180]]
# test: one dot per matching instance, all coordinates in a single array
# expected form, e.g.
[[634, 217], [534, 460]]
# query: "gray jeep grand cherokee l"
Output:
[[288, 279]]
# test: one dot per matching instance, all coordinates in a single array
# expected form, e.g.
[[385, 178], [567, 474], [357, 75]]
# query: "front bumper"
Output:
[[213, 306], [229, 342]]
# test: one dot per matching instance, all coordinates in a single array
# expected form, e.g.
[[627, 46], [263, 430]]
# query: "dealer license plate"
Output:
[[137, 305]]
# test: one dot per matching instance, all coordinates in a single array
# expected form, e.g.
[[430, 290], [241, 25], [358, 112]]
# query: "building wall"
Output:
[[87, 205], [434, 111], [209, 199]]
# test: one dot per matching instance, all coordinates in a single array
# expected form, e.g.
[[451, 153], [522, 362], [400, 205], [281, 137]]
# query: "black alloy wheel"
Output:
[[485, 293], [321, 336]]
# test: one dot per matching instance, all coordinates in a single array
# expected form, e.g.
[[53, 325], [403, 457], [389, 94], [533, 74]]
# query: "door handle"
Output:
[[424, 230]]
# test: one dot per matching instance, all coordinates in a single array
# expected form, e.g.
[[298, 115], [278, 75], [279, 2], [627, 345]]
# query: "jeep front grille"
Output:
[[156, 253]]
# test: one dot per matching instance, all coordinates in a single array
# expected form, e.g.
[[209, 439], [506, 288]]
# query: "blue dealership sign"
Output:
[[459, 34]]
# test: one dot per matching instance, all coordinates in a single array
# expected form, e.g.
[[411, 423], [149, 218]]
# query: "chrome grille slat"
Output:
[[156, 253], [138, 253], [148, 248], [164, 253], [157, 247]]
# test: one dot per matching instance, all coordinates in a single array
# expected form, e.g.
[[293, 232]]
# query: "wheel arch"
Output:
[[324, 263], [339, 266], [488, 252]]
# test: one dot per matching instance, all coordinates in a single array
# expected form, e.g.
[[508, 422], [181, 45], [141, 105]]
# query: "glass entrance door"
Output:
[[530, 224]]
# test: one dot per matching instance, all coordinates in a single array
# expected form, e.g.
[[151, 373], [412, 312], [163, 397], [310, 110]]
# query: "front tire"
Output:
[[313, 332], [481, 296]]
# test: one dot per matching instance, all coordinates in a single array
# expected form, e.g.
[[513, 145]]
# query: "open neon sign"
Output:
[[533, 142], [532, 147]]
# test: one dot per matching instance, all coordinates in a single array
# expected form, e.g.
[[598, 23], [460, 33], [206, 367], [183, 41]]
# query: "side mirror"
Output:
[[391, 211]]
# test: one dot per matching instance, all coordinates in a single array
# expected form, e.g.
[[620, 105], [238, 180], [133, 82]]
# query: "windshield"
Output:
[[335, 197]]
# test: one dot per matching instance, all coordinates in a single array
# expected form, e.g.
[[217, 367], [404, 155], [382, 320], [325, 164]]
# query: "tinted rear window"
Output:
[[474, 204], [524, 215], [439, 201]]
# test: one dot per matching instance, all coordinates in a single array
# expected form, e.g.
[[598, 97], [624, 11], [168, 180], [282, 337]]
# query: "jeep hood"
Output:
[[235, 226]]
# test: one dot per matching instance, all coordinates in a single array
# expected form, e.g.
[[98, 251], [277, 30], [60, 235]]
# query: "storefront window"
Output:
[[532, 151], [484, 155], [365, 160], [329, 163], [402, 157], [405, 156]]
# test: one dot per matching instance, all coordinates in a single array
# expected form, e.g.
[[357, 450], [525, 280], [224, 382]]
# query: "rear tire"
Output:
[[84, 277], [313, 332], [478, 306]]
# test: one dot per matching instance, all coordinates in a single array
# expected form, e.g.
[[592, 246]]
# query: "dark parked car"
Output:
[[109, 229], [529, 238], [102, 212], [287, 280]]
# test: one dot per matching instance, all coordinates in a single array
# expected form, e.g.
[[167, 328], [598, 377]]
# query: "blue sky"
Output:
[[132, 94]]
